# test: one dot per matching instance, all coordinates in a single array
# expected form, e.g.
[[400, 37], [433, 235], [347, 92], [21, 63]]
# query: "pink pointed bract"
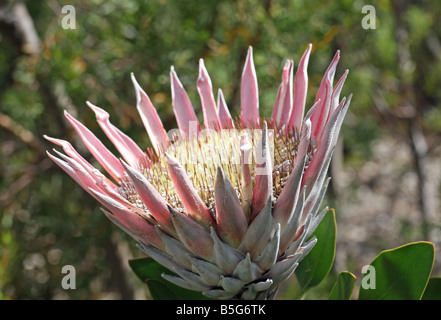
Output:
[[227, 207]]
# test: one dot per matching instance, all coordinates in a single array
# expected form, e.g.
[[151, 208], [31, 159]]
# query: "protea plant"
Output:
[[230, 208]]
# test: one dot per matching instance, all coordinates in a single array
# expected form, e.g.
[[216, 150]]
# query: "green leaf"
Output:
[[343, 287], [433, 290], [149, 271], [399, 274], [317, 264]]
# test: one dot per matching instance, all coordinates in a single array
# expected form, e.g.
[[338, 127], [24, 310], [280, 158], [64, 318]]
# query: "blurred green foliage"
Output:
[[47, 221]]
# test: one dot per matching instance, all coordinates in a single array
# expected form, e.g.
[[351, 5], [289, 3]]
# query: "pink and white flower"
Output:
[[229, 206]]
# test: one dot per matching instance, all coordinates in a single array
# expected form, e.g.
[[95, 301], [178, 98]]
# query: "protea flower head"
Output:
[[229, 208]]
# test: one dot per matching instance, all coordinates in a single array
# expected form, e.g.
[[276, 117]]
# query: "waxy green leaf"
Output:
[[433, 290], [317, 264], [399, 274], [343, 287], [149, 271]]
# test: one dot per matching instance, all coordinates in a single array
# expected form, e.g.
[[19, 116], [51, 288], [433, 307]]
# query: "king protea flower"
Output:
[[229, 208]]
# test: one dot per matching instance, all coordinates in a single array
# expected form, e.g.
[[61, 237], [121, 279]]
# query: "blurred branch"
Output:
[[417, 140], [29, 172], [17, 18], [118, 253], [419, 151], [434, 45], [18, 27], [8, 197], [22, 133]]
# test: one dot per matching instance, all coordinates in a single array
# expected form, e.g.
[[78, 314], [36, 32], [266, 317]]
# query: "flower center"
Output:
[[200, 157]]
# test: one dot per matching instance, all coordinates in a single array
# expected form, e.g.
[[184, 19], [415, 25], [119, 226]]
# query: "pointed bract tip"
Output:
[[220, 172], [173, 212], [100, 114], [90, 104], [170, 209], [288, 64], [249, 58], [203, 73], [134, 81], [307, 51], [170, 159], [138, 89], [124, 164], [348, 101], [94, 107], [60, 154], [336, 57]]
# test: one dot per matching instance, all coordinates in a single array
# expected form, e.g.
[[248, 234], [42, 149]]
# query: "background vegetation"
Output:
[[386, 172]]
